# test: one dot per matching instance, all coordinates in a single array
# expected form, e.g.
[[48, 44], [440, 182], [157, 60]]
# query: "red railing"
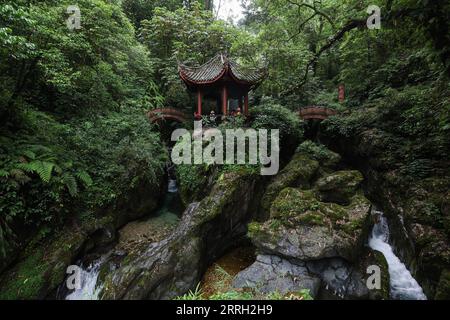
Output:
[[316, 112]]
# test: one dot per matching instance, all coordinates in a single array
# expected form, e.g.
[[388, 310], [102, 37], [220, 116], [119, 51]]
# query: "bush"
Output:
[[50, 169], [269, 115]]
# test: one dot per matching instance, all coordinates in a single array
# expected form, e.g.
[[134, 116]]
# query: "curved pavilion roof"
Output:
[[218, 68]]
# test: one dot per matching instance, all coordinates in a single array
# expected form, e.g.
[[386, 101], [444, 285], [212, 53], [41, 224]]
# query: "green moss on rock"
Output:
[[339, 186], [319, 152], [298, 173]]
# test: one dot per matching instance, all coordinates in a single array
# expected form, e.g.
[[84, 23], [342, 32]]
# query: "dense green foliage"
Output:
[[74, 138], [188, 35]]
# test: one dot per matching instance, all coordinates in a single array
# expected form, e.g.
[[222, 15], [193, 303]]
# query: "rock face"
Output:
[[173, 266], [303, 228], [417, 203], [315, 232], [339, 186], [339, 279], [271, 273], [42, 268], [298, 173]]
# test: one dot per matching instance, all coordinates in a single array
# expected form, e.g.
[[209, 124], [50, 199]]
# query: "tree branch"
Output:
[[352, 24]]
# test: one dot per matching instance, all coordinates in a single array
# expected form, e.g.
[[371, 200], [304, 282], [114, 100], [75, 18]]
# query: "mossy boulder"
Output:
[[327, 158], [173, 266], [339, 186], [303, 228], [41, 268], [298, 173]]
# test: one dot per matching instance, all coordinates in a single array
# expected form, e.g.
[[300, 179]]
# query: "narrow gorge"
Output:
[[312, 229]]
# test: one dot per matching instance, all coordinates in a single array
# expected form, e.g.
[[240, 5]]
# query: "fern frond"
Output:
[[29, 167], [71, 183], [42, 168], [85, 178], [45, 170], [4, 174]]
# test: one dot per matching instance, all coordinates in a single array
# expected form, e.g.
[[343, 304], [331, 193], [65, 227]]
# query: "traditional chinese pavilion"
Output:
[[224, 81]]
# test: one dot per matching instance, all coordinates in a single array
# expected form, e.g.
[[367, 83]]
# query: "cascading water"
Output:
[[90, 288], [88, 283], [172, 188], [403, 285]]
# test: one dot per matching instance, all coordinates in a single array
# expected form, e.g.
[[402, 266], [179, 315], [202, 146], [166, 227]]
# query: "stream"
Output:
[[166, 217], [403, 285]]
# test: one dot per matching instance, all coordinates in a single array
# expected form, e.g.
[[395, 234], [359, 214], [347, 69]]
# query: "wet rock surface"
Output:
[[271, 273], [418, 206], [42, 268], [173, 266], [315, 233]]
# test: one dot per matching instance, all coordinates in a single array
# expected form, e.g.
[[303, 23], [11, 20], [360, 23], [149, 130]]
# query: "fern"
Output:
[[42, 168], [85, 178], [45, 170], [19, 176], [71, 183], [4, 174]]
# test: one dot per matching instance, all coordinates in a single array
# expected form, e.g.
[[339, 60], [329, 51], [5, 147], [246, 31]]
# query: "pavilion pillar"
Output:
[[241, 105], [246, 104], [224, 101], [199, 102]]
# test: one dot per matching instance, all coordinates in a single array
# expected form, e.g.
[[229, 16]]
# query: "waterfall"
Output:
[[403, 285], [89, 289], [172, 187]]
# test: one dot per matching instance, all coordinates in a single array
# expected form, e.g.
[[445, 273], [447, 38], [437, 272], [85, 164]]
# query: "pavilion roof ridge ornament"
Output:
[[217, 68]]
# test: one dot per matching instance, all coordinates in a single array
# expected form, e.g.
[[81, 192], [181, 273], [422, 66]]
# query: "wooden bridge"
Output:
[[162, 114], [306, 113], [316, 112]]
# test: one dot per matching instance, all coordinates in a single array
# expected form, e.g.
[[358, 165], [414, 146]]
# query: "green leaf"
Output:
[[71, 183], [85, 178]]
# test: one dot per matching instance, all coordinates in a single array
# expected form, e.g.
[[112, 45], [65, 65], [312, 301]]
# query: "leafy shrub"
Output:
[[50, 169], [317, 151], [269, 115]]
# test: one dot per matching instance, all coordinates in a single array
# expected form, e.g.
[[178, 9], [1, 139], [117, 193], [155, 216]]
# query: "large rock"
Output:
[[369, 258], [297, 173], [303, 228], [324, 279], [339, 186], [339, 279], [173, 266], [327, 158], [42, 268], [274, 274]]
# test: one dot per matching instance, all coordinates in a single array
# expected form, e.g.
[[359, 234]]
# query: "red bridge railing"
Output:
[[316, 112]]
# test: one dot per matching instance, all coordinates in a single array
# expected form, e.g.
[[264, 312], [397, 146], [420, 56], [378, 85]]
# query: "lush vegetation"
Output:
[[74, 138], [73, 135]]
